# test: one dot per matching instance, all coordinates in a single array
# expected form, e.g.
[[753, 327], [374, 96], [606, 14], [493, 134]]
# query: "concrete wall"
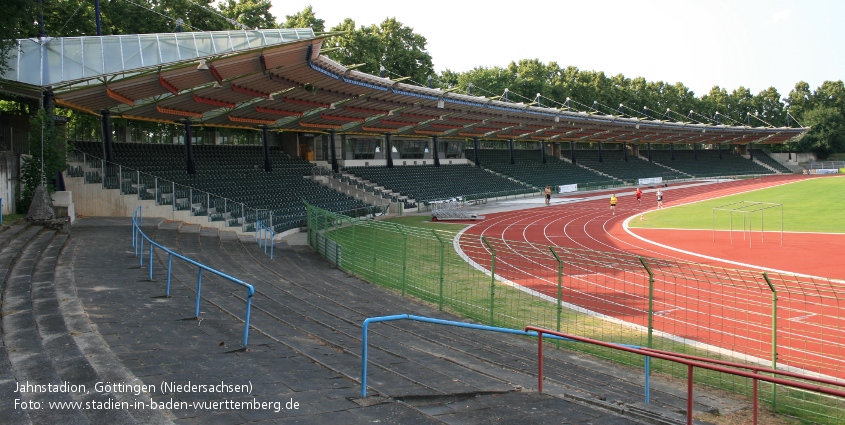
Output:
[[9, 179], [783, 158], [92, 200], [399, 162]]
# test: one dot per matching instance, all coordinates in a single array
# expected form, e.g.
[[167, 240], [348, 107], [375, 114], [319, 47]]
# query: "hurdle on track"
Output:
[[747, 210]]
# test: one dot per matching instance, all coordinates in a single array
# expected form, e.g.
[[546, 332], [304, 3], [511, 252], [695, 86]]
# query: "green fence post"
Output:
[[373, 270], [440, 295], [404, 259], [326, 235], [559, 290], [310, 224], [354, 247], [650, 301], [774, 337], [337, 242], [492, 277]]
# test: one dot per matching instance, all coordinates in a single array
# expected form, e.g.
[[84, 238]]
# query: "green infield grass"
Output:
[[814, 205]]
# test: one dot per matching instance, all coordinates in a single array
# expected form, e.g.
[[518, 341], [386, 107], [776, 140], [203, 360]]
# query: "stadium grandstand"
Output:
[[268, 138], [309, 109]]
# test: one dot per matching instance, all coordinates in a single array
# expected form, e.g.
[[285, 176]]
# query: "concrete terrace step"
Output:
[[12, 240], [456, 351], [158, 340], [517, 356], [305, 341], [30, 361]]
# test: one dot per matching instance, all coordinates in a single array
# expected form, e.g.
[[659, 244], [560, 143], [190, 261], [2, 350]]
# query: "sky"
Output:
[[706, 43]]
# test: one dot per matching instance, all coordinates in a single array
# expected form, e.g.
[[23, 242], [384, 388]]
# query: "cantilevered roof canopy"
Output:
[[278, 78]]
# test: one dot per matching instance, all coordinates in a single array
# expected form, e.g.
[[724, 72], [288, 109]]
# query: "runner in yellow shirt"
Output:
[[613, 204]]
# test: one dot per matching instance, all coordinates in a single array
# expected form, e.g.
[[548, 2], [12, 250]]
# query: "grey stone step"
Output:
[[29, 361]]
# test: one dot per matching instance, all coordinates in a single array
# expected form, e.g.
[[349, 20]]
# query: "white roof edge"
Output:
[[55, 60]]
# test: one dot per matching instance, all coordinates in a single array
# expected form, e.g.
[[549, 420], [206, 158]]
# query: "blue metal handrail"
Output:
[[138, 237], [265, 235], [365, 348]]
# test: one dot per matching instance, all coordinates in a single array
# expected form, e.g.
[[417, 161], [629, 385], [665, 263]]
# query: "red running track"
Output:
[[811, 334]]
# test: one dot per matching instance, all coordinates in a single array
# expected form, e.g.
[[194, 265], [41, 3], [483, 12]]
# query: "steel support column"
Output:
[[543, 151], [436, 153], [388, 151], [475, 145], [510, 151], [189, 149], [332, 152], [265, 138]]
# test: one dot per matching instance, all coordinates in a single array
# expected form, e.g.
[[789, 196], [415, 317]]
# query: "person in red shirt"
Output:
[[639, 197]]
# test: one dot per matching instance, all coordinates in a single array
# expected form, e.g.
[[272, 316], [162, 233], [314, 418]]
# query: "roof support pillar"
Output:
[[625, 151], [672, 150], [648, 148], [49, 110], [189, 148], [720, 150], [389, 151], [475, 145], [265, 139], [333, 151], [435, 151], [97, 17], [108, 145], [543, 149], [572, 151], [510, 151], [750, 152], [107, 135], [694, 151], [600, 157]]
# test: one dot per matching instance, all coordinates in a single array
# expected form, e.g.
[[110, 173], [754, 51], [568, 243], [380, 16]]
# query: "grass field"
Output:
[[814, 205]]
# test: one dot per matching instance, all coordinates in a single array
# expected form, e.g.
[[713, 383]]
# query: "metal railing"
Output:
[[165, 192], [701, 362], [365, 339], [264, 236], [138, 237]]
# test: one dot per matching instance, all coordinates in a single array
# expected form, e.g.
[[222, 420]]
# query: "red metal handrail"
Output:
[[692, 362]]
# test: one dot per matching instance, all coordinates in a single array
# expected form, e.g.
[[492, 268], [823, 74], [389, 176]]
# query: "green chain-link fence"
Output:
[[770, 319]]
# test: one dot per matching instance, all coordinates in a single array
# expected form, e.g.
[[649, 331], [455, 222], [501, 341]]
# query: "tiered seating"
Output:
[[708, 163], [766, 159], [613, 163], [530, 169], [426, 183], [232, 172]]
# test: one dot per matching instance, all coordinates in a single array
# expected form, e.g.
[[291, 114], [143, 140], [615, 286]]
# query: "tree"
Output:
[[391, 44], [46, 155], [305, 19], [16, 22], [252, 13], [827, 132]]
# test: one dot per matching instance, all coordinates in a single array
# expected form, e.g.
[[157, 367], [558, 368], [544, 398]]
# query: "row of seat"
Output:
[[233, 172]]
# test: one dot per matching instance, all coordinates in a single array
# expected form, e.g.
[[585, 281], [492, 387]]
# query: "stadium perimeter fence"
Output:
[[777, 320]]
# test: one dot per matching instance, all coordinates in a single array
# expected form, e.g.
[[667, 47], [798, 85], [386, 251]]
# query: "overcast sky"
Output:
[[755, 44]]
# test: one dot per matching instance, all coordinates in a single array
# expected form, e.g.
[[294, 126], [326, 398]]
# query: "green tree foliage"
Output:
[[15, 22], [252, 13], [391, 44], [305, 19], [44, 146], [827, 132]]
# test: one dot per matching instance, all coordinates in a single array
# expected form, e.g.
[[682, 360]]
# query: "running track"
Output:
[[811, 334]]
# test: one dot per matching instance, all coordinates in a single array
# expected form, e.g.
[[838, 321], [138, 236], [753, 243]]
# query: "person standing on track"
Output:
[[548, 193], [639, 197], [659, 199], [613, 204]]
